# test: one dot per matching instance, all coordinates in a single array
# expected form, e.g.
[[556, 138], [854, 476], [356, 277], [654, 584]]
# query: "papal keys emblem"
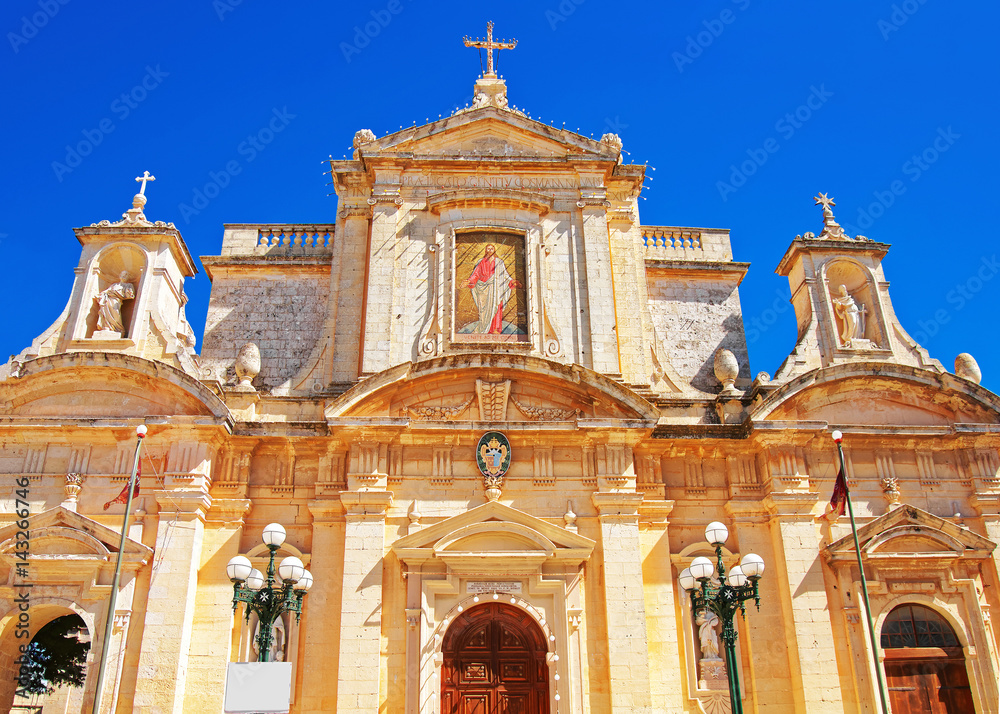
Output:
[[493, 454]]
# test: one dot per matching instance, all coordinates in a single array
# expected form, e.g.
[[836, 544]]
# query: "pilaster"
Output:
[[360, 619], [170, 605], [767, 670], [382, 280], [624, 601], [600, 282], [796, 542], [347, 287]]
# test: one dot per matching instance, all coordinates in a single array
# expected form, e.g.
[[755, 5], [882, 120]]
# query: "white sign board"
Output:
[[258, 687], [493, 586]]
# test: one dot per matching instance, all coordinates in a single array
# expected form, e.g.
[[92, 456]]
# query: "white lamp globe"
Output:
[[686, 580], [716, 533], [238, 569], [291, 568], [752, 565], [702, 567], [255, 581], [305, 582], [274, 534], [838, 436], [736, 578]]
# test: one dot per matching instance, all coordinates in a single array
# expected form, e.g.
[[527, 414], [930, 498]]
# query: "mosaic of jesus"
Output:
[[490, 302]]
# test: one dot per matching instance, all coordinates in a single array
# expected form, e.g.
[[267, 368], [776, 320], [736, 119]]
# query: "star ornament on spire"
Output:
[[825, 200], [489, 44]]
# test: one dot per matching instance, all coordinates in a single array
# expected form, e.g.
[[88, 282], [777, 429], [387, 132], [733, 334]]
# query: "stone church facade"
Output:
[[486, 272]]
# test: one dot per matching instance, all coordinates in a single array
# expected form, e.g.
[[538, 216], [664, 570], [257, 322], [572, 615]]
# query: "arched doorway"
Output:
[[494, 662], [924, 663]]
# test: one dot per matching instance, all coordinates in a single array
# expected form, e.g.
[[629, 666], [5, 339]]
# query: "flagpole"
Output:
[[839, 437], [140, 433]]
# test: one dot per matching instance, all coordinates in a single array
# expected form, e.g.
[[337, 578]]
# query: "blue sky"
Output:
[[889, 106]]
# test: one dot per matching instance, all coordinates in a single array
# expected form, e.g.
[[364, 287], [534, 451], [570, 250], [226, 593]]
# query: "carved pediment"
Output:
[[879, 395], [88, 385], [69, 548], [489, 133], [485, 388], [908, 534], [494, 538]]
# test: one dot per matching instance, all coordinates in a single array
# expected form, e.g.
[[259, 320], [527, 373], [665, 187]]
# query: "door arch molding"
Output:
[[494, 659]]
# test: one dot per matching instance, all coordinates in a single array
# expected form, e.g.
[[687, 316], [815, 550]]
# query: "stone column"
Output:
[[803, 599], [360, 619], [630, 300], [600, 283], [624, 601], [170, 605]]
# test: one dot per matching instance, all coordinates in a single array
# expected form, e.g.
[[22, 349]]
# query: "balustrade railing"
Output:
[[295, 238], [677, 243]]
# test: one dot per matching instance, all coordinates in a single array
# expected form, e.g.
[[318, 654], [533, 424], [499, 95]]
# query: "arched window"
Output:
[[924, 663], [916, 626]]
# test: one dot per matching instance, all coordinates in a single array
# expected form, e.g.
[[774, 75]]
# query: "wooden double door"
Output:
[[928, 680], [494, 663]]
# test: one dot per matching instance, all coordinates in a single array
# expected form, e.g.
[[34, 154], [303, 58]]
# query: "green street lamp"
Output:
[[262, 594], [724, 596]]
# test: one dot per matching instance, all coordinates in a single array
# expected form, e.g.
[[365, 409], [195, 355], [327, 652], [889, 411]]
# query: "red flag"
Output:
[[123, 496], [838, 504]]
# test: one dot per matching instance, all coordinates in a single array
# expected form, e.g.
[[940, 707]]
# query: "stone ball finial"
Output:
[[727, 368], [966, 367], [364, 136], [247, 364]]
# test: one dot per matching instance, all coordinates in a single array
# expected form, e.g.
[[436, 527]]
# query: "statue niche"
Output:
[[110, 302], [853, 305], [117, 275]]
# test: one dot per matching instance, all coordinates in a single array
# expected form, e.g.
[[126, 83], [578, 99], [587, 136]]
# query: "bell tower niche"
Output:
[[128, 294], [841, 301]]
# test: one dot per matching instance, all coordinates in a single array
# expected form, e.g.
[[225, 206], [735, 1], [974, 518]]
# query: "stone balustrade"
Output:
[[677, 243], [297, 238]]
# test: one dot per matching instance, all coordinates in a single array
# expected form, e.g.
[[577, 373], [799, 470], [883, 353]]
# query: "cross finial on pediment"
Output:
[[489, 44], [143, 179], [825, 200]]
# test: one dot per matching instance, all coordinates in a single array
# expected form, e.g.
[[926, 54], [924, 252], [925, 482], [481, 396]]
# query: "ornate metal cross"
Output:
[[489, 45], [143, 179]]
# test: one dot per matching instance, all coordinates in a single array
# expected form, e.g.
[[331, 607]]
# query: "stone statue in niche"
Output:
[[109, 304], [708, 637], [852, 318]]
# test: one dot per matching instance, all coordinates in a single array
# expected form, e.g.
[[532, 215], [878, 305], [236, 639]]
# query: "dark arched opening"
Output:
[[494, 661], [924, 663]]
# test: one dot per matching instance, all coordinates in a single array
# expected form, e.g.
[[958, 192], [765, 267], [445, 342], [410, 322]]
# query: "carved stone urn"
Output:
[[247, 364], [967, 368], [726, 370]]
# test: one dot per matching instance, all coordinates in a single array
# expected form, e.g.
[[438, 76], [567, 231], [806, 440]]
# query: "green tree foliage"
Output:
[[55, 657]]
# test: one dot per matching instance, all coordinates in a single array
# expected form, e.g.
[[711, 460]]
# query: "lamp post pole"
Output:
[[725, 596], [838, 437], [262, 594]]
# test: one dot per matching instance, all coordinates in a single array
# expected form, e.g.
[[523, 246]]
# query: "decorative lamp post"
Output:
[[724, 595], [263, 594]]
